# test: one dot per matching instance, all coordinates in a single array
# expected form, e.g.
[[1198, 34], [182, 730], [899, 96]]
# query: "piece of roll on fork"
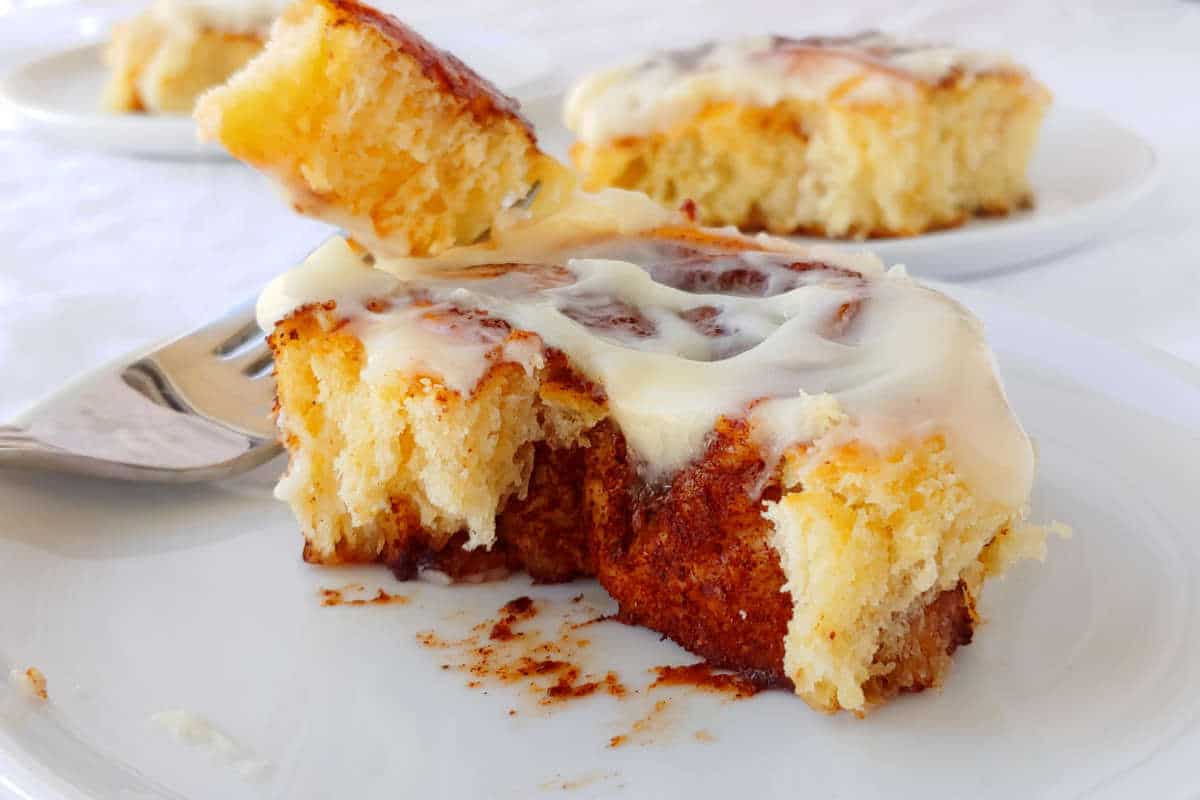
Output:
[[366, 125]]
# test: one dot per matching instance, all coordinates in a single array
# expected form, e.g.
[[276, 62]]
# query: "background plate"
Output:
[[58, 96], [1087, 172], [137, 599]]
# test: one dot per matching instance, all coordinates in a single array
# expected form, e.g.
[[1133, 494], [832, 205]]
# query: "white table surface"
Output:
[[105, 253]]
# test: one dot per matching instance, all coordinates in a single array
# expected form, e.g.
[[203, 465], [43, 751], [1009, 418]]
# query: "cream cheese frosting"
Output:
[[233, 16], [800, 340], [654, 93]]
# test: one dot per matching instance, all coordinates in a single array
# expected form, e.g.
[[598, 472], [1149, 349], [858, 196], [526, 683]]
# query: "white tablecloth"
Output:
[[103, 253]]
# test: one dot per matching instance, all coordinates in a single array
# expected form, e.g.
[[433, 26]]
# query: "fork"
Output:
[[195, 409]]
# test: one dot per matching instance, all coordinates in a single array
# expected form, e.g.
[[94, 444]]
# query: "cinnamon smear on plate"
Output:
[[506, 649], [337, 597]]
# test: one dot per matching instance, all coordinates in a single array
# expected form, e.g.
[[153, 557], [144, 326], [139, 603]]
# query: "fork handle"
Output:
[[14, 437], [18, 448], [16, 441]]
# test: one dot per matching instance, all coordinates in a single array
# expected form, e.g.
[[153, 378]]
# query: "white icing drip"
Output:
[[797, 349], [232, 16], [193, 729], [657, 92]]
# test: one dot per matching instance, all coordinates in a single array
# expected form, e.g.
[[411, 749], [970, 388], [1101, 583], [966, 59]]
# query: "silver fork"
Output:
[[197, 408]]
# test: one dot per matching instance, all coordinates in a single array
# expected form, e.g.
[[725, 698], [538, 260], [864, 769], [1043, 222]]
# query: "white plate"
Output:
[[58, 96], [137, 599], [1087, 172]]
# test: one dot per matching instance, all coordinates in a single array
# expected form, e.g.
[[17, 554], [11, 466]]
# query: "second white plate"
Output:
[[1086, 173]]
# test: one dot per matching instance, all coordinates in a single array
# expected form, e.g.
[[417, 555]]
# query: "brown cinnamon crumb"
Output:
[[614, 686], [37, 683], [644, 729], [502, 631], [703, 675], [381, 598], [337, 597], [495, 650], [568, 784], [430, 639], [645, 722], [566, 688], [513, 611], [520, 607]]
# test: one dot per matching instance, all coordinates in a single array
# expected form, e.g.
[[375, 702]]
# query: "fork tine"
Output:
[[194, 408], [251, 361], [12, 434], [243, 336], [230, 332], [260, 366]]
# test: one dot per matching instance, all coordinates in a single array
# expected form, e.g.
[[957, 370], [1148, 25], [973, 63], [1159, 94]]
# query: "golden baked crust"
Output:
[[368, 126], [476, 93], [693, 559]]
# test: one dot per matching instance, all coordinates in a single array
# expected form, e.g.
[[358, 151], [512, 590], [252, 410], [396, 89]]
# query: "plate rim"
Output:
[[1093, 214]]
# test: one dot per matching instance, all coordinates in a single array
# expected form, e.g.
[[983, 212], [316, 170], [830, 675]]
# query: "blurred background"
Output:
[[1068, 43]]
